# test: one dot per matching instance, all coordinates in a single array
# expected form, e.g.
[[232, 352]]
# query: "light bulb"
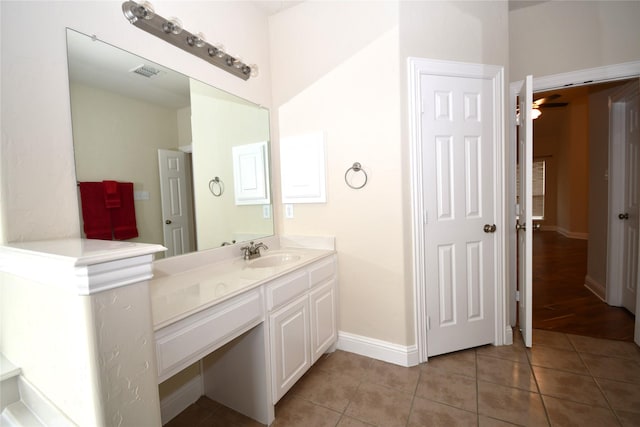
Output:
[[196, 40], [200, 40], [254, 70], [145, 10], [237, 62], [220, 53], [173, 25], [138, 11]]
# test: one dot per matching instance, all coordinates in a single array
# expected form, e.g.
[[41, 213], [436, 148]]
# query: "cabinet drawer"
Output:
[[190, 339], [322, 271], [286, 289]]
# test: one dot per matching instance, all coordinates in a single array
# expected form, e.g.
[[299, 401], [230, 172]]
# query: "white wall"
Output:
[[335, 70], [218, 123], [350, 83], [31, 321], [561, 36]]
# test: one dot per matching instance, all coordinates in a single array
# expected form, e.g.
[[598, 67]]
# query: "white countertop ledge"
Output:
[[178, 295], [82, 266]]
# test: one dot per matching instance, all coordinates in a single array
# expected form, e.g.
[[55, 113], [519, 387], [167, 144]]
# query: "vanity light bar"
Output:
[[143, 17]]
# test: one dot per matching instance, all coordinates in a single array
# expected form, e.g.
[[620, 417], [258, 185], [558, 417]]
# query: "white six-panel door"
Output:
[[458, 164], [175, 207], [525, 212]]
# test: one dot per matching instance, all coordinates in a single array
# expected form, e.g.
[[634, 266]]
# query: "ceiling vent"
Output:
[[146, 71]]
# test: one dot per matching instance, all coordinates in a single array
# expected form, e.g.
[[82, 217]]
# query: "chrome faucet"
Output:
[[253, 250]]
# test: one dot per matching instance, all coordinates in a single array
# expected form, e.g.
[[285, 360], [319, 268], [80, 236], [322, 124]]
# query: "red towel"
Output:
[[95, 215], [123, 219], [111, 194]]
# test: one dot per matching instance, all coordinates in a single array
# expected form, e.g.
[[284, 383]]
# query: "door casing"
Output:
[[418, 67]]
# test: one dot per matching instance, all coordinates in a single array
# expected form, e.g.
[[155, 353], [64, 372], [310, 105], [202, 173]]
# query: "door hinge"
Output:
[[426, 217], [517, 295], [428, 323]]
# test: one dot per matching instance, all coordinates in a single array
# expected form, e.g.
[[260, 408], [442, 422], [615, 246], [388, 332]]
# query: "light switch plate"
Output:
[[266, 211], [288, 211], [140, 195]]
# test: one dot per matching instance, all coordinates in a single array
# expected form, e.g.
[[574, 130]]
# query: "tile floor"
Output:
[[564, 380]]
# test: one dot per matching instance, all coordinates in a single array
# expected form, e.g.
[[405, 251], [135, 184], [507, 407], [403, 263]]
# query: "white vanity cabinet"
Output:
[[302, 322], [256, 329]]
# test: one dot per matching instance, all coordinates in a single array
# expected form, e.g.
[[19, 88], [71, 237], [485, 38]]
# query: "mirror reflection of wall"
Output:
[[123, 121], [212, 147]]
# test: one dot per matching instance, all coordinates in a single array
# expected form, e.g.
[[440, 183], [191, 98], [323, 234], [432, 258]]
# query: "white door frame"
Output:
[[557, 81], [418, 67]]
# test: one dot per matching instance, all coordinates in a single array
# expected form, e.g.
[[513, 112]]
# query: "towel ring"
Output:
[[357, 167], [216, 186]]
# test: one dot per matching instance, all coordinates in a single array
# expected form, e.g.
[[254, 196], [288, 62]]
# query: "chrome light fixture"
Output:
[[143, 16]]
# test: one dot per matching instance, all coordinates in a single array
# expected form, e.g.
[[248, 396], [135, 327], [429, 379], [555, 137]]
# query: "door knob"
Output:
[[168, 222], [623, 216], [489, 228]]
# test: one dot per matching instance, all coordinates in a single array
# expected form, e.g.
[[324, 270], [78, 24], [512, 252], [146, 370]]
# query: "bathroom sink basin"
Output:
[[273, 260]]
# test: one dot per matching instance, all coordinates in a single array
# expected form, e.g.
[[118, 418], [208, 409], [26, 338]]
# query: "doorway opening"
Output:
[[571, 141]]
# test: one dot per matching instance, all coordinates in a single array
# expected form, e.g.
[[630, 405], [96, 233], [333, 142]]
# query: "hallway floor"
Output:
[[561, 302], [564, 380]]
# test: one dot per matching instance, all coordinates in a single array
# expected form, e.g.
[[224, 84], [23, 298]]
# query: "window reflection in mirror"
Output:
[[171, 136]]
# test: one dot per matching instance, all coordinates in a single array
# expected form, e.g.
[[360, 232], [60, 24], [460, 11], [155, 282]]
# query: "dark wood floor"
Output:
[[561, 302]]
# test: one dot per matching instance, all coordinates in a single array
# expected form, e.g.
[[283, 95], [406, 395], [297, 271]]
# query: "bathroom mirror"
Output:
[[177, 140]]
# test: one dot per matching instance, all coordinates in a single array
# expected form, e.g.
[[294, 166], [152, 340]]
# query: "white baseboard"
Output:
[[596, 287], [378, 349], [179, 400], [508, 335], [572, 234]]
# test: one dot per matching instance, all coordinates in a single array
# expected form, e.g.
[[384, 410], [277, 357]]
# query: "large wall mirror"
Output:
[[198, 157]]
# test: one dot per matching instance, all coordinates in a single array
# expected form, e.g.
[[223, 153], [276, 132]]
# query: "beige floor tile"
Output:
[[510, 404], [226, 417], [451, 389], [393, 376], [564, 413], [551, 339], [604, 347], [194, 415], [460, 362], [563, 360], [484, 421], [428, 413], [326, 388], [380, 405], [628, 419], [293, 411], [352, 422], [506, 372], [569, 386], [515, 352], [621, 395], [613, 368], [345, 363]]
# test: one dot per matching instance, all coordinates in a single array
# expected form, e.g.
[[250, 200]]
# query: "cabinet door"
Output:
[[323, 319], [290, 346]]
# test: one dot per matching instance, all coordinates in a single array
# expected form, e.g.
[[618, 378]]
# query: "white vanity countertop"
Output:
[[178, 295]]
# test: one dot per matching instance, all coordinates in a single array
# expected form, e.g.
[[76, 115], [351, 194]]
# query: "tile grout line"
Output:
[[594, 379], [535, 378]]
